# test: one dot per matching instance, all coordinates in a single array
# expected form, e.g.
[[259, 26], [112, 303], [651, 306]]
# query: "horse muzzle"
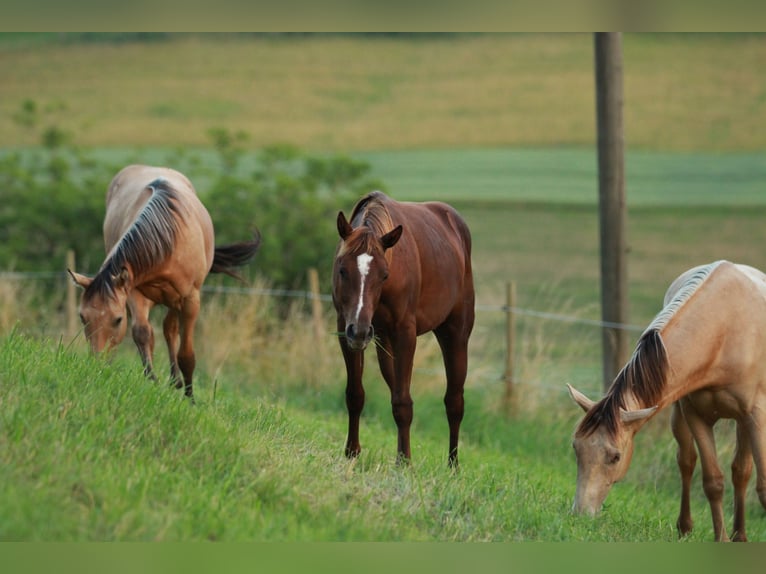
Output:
[[357, 340]]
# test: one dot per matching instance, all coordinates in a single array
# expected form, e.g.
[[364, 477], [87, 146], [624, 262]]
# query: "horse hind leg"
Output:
[[187, 360], [741, 470], [756, 428], [171, 329], [453, 341]]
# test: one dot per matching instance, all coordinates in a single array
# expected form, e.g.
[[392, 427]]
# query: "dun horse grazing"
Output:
[[401, 270], [704, 353], [160, 247]]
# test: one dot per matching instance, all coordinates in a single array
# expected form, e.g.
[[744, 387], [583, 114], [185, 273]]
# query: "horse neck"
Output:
[[695, 344]]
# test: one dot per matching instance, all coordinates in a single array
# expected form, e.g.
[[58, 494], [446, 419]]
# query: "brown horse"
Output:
[[401, 270], [704, 353], [160, 247]]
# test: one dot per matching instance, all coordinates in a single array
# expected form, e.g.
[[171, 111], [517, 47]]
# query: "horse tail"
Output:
[[227, 257]]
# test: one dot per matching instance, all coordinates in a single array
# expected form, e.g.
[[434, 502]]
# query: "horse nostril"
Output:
[[350, 332], [371, 332]]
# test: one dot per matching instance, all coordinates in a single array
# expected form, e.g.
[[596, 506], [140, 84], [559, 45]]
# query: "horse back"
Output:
[[437, 241], [130, 190]]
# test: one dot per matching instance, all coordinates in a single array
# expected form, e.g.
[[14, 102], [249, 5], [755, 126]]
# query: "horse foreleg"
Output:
[[171, 329], [142, 332], [453, 341], [741, 469], [186, 357], [397, 372], [712, 477], [354, 361], [686, 457]]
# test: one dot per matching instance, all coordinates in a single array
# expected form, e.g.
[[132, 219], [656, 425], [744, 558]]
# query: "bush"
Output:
[[293, 199], [52, 200]]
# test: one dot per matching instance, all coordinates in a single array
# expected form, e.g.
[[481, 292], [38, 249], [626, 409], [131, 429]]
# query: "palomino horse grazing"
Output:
[[401, 270], [704, 353], [160, 247]]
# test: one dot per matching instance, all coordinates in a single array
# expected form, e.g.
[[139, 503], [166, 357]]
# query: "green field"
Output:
[[683, 92], [500, 125]]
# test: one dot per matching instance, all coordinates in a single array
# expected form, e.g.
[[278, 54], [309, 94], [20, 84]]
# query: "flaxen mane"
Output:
[[148, 242], [644, 374], [371, 214]]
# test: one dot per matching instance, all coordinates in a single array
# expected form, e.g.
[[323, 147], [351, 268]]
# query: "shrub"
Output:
[[293, 199]]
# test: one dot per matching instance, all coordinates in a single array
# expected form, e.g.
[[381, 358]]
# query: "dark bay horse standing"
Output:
[[401, 270], [704, 354], [160, 247]]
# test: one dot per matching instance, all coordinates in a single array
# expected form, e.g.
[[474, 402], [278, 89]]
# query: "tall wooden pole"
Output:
[[510, 340], [611, 193]]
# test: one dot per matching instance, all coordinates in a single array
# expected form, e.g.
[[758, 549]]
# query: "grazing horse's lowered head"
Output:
[[103, 308], [361, 269], [603, 451]]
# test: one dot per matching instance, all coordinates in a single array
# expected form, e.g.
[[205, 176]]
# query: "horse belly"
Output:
[[715, 404], [439, 297]]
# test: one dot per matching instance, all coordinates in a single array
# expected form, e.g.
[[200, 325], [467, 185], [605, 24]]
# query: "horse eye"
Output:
[[343, 273], [117, 321], [385, 276], [613, 458], [82, 319]]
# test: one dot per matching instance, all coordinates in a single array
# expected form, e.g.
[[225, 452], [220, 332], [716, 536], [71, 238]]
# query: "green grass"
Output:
[[346, 93], [94, 452], [570, 176], [503, 127]]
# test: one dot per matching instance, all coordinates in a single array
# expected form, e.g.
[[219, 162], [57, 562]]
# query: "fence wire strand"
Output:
[[308, 295]]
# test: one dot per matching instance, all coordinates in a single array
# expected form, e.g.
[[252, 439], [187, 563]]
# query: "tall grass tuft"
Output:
[[264, 344]]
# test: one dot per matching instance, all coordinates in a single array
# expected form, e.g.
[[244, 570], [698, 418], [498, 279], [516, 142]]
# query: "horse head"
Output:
[[603, 450], [359, 273], [103, 307]]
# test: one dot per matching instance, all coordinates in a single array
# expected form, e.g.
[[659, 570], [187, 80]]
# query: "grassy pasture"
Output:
[[682, 92], [90, 451]]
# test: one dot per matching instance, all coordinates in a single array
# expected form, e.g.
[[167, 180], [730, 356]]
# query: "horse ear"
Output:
[[585, 403], [80, 280], [628, 417], [344, 227], [390, 238], [122, 278]]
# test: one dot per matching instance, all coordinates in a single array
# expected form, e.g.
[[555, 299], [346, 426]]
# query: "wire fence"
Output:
[[310, 296], [510, 311]]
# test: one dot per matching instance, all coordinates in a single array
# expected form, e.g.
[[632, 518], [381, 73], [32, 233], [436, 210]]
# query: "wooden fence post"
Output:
[[316, 304], [612, 210], [510, 325], [71, 298]]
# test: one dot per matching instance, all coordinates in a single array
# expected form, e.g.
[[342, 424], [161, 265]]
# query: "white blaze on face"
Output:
[[363, 263]]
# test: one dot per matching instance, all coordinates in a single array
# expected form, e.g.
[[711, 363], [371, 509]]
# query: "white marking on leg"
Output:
[[363, 263]]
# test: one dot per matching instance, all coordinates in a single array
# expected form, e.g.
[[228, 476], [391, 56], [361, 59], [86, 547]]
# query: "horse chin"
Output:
[[357, 344]]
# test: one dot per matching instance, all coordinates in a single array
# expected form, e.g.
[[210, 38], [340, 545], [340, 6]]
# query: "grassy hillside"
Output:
[[500, 125], [682, 92], [93, 452]]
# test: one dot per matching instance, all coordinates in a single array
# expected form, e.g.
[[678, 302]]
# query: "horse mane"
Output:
[[645, 373], [146, 243], [370, 213]]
